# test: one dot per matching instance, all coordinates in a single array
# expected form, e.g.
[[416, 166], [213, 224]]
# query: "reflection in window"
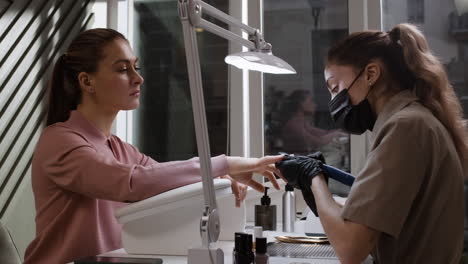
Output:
[[298, 133], [297, 119], [163, 124]]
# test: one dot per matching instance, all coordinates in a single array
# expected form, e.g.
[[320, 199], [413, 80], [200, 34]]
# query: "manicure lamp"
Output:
[[258, 58]]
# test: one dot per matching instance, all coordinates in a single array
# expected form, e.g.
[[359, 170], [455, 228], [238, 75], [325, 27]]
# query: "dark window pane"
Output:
[[297, 119], [163, 124]]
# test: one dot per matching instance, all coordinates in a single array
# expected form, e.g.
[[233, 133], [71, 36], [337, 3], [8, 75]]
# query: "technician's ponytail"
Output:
[[432, 85], [410, 65]]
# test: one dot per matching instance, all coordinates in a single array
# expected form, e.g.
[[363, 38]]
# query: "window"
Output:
[[297, 119], [163, 124], [415, 11]]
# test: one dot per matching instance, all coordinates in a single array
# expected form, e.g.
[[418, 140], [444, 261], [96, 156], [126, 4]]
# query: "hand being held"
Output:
[[299, 172]]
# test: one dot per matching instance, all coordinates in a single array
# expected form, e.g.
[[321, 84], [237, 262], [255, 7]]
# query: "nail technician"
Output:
[[406, 204]]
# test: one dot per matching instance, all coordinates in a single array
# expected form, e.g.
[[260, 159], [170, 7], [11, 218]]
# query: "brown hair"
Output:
[[83, 55], [411, 65]]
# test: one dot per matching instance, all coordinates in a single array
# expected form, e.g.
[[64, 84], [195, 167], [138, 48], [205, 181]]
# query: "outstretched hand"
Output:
[[239, 190], [242, 169]]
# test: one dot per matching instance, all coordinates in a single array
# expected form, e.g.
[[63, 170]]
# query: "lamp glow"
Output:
[[259, 61]]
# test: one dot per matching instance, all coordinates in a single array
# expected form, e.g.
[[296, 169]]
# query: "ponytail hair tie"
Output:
[[394, 35]]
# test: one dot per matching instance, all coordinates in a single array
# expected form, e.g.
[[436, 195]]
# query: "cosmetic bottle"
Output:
[[257, 232], [265, 214], [242, 253], [289, 209], [261, 256], [236, 253], [249, 249]]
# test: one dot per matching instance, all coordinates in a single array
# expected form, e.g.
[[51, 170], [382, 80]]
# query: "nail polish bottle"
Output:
[[257, 232], [237, 252], [242, 253], [261, 256], [265, 214], [249, 249]]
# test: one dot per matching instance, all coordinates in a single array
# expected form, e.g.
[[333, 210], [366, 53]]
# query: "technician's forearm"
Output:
[[329, 211], [336, 228]]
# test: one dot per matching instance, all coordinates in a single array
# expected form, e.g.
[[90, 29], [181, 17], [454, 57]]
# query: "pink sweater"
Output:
[[80, 177]]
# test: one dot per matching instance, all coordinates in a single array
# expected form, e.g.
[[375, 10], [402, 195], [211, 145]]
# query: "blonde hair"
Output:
[[410, 63]]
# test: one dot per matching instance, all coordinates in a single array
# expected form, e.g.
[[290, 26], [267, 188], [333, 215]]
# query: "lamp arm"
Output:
[[209, 224], [232, 21], [226, 34], [190, 17], [196, 8]]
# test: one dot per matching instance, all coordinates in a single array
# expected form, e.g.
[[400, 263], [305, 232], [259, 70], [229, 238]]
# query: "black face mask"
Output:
[[354, 119]]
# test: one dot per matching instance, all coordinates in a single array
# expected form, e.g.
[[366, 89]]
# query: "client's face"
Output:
[[117, 82]]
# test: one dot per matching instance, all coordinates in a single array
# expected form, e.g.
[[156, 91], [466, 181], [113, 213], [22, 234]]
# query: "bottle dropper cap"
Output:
[[288, 188]]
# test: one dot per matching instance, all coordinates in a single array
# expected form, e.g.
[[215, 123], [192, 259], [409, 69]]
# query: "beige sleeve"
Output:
[[383, 193]]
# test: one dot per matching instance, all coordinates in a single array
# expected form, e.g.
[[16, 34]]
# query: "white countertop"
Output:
[[227, 247]]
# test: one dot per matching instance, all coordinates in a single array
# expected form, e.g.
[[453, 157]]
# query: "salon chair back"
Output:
[[8, 252]]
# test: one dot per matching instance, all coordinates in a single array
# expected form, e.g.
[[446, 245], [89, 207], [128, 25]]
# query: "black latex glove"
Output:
[[317, 155], [299, 172]]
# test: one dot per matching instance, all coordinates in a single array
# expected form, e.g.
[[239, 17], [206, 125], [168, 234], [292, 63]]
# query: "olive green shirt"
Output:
[[411, 187]]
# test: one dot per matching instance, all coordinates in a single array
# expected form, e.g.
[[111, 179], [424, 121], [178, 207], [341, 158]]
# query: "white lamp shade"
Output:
[[259, 61], [461, 6]]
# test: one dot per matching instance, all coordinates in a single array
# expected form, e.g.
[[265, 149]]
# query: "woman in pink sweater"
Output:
[[81, 173]]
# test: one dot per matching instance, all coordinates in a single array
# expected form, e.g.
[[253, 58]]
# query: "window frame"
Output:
[[119, 16], [363, 15]]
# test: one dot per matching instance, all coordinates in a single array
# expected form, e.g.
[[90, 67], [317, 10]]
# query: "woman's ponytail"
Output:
[[431, 84], [430, 77], [410, 65], [63, 95]]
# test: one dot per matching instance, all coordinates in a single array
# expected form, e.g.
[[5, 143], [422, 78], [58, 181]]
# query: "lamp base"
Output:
[[205, 256]]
